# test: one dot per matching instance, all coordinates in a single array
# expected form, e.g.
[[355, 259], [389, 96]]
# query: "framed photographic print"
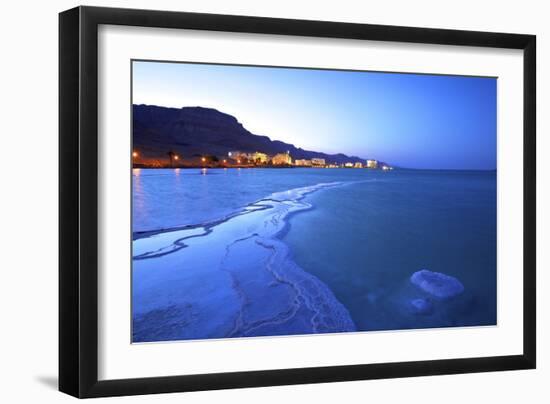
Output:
[[251, 201]]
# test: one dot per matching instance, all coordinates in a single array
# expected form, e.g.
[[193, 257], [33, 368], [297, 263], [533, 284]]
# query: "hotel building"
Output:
[[258, 157], [281, 159], [303, 163], [372, 164], [318, 162]]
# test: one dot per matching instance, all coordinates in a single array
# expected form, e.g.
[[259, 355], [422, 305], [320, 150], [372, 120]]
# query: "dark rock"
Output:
[[196, 131]]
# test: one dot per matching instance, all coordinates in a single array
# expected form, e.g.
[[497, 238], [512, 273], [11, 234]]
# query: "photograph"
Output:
[[273, 201]]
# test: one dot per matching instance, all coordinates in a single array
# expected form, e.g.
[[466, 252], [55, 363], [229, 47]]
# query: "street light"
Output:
[[134, 154]]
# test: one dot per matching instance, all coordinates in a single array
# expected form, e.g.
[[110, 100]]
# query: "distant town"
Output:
[[239, 159]]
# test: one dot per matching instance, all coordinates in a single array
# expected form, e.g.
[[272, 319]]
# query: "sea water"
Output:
[[246, 252]]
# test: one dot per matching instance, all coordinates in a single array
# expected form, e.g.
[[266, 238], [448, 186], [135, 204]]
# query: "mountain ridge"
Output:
[[193, 131]]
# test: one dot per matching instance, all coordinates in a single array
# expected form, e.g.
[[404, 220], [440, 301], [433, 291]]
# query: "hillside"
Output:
[[192, 131]]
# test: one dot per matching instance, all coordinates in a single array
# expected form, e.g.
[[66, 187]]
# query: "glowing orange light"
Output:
[[203, 159], [225, 161], [135, 154], [176, 157], [238, 161]]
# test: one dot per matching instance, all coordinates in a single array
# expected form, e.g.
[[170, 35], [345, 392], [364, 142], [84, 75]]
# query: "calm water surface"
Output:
[[363, 239]]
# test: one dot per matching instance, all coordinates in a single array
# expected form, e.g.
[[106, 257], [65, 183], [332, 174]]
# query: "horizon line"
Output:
[[298, 147]]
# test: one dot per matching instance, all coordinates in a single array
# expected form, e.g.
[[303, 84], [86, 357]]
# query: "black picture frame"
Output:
[[78, 201]]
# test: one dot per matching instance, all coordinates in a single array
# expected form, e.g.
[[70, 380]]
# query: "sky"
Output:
[[406, 120]]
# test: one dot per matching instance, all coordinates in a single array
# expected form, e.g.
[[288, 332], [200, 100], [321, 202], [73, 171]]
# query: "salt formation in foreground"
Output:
[[231, 278], [437, 284]]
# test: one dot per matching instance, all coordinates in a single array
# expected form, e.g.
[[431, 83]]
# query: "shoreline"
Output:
[[247, 248], [279, 167], [140, 234], [483, 170]]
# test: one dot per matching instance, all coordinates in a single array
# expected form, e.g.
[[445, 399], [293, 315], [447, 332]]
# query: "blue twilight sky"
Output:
[[407, 120]]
